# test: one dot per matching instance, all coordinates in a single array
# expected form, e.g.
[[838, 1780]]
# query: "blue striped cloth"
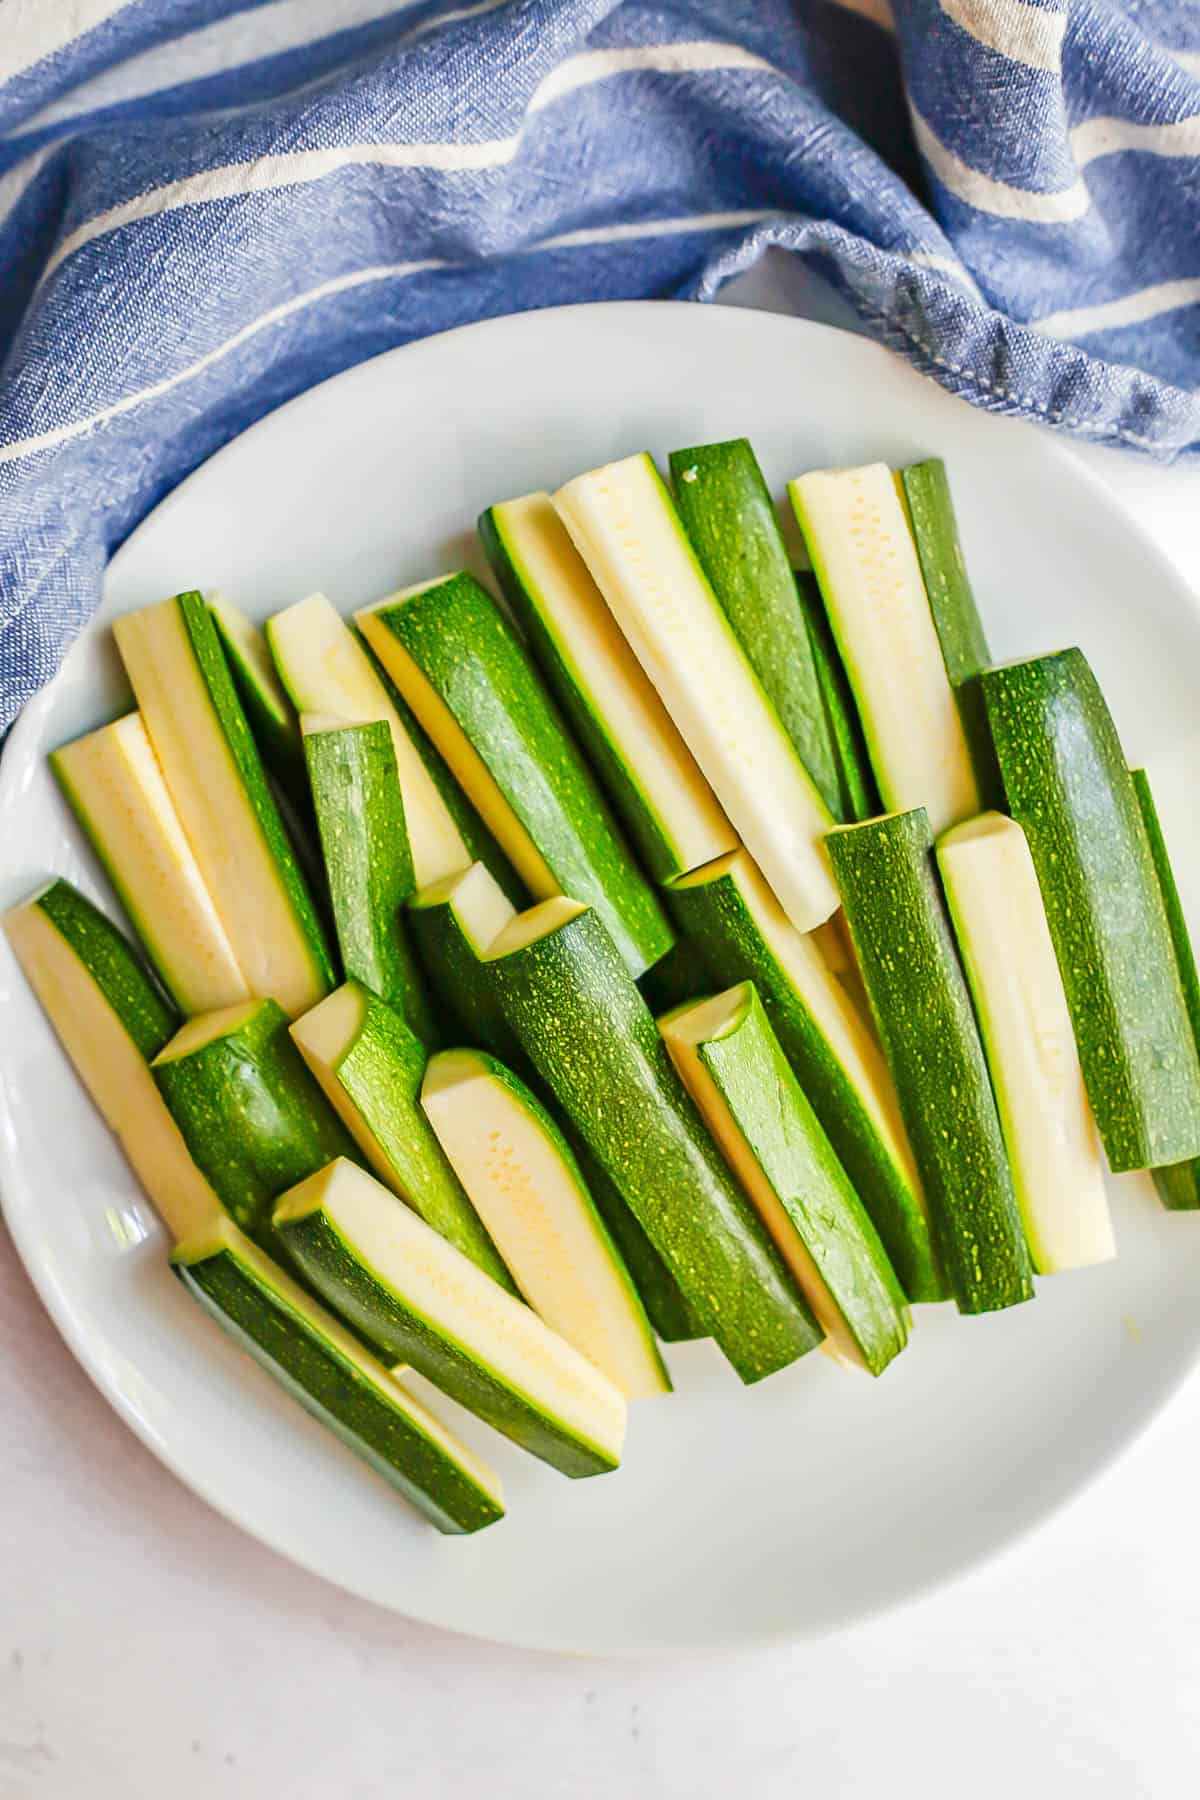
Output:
[[207, 205]]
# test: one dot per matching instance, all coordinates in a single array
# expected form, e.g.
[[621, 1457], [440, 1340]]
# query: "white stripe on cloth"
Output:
[[663, 59], [942, 264], [14, 181], [1027, 34], [244, 37], [1106, 137], [1058, 207], [295, 168], [341, 284], [31, 30], [1130, 309]]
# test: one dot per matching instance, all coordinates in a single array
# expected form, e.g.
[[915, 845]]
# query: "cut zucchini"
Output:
[[729, 912], [650, 775], [863, 556], [326, 670], [333, 1378], [116, 790], [269, 712], [470, 681], [453, 923], [250, 1113], [923, 1014], [110, 1019], [729, 516], [682, 975], [360, 816], [530, 1193], [858, 794], [1000, 923], [924, 490], [735, 1071], [370, 1067], [387, 1272], [215, 776], [628, 532], [1178, 1184], [583, 1024], [1067, 784]]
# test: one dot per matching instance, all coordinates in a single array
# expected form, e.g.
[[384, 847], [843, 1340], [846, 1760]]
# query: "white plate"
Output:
[[739, 1514]]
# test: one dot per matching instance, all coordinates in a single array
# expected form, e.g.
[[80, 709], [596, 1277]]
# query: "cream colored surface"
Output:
[[326, 670], [448, 736], [445, 1287], [540, 1217], [684, 1033], [114, 1072], [238, 868], [536, 922], [324, 1036], [195, 1033], [480, 904], [634, 546], [1005, 942], [862, 550], [613, 682], [114, 779]]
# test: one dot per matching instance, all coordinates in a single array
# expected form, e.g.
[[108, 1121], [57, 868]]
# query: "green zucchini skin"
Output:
[[727, 513], [926, 1023], [251, 1115], [768, 1105], [1177, 1184], [682, 975], [925, 491], [302, 1347], [360, 816], [1067, 785], [481, 845], [713, 915], [381, 1073], [271, 716], [858, 792], [583, 1024], [210, 660], [658, 853], [459, 639], [460, 979], [377, 1309], [465, 985], [150, 1019]]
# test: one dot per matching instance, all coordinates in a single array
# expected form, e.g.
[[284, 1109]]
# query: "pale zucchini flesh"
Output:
[[864, 559], [370, 1066], [583, 1024], [318, 1362], [326, 670], [271, 714], [652, 779], [110, 1019], [926, 1024], [393, 1277], [625, 527], [1000, 924], [741, 930], [734, 1069], [116, 790], [530, 1193], [216, 779]]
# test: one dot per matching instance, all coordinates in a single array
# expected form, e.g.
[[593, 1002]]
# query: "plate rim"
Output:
[[21, 1222]]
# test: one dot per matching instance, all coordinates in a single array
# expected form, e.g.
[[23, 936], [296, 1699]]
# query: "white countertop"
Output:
[[147, 1647]]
